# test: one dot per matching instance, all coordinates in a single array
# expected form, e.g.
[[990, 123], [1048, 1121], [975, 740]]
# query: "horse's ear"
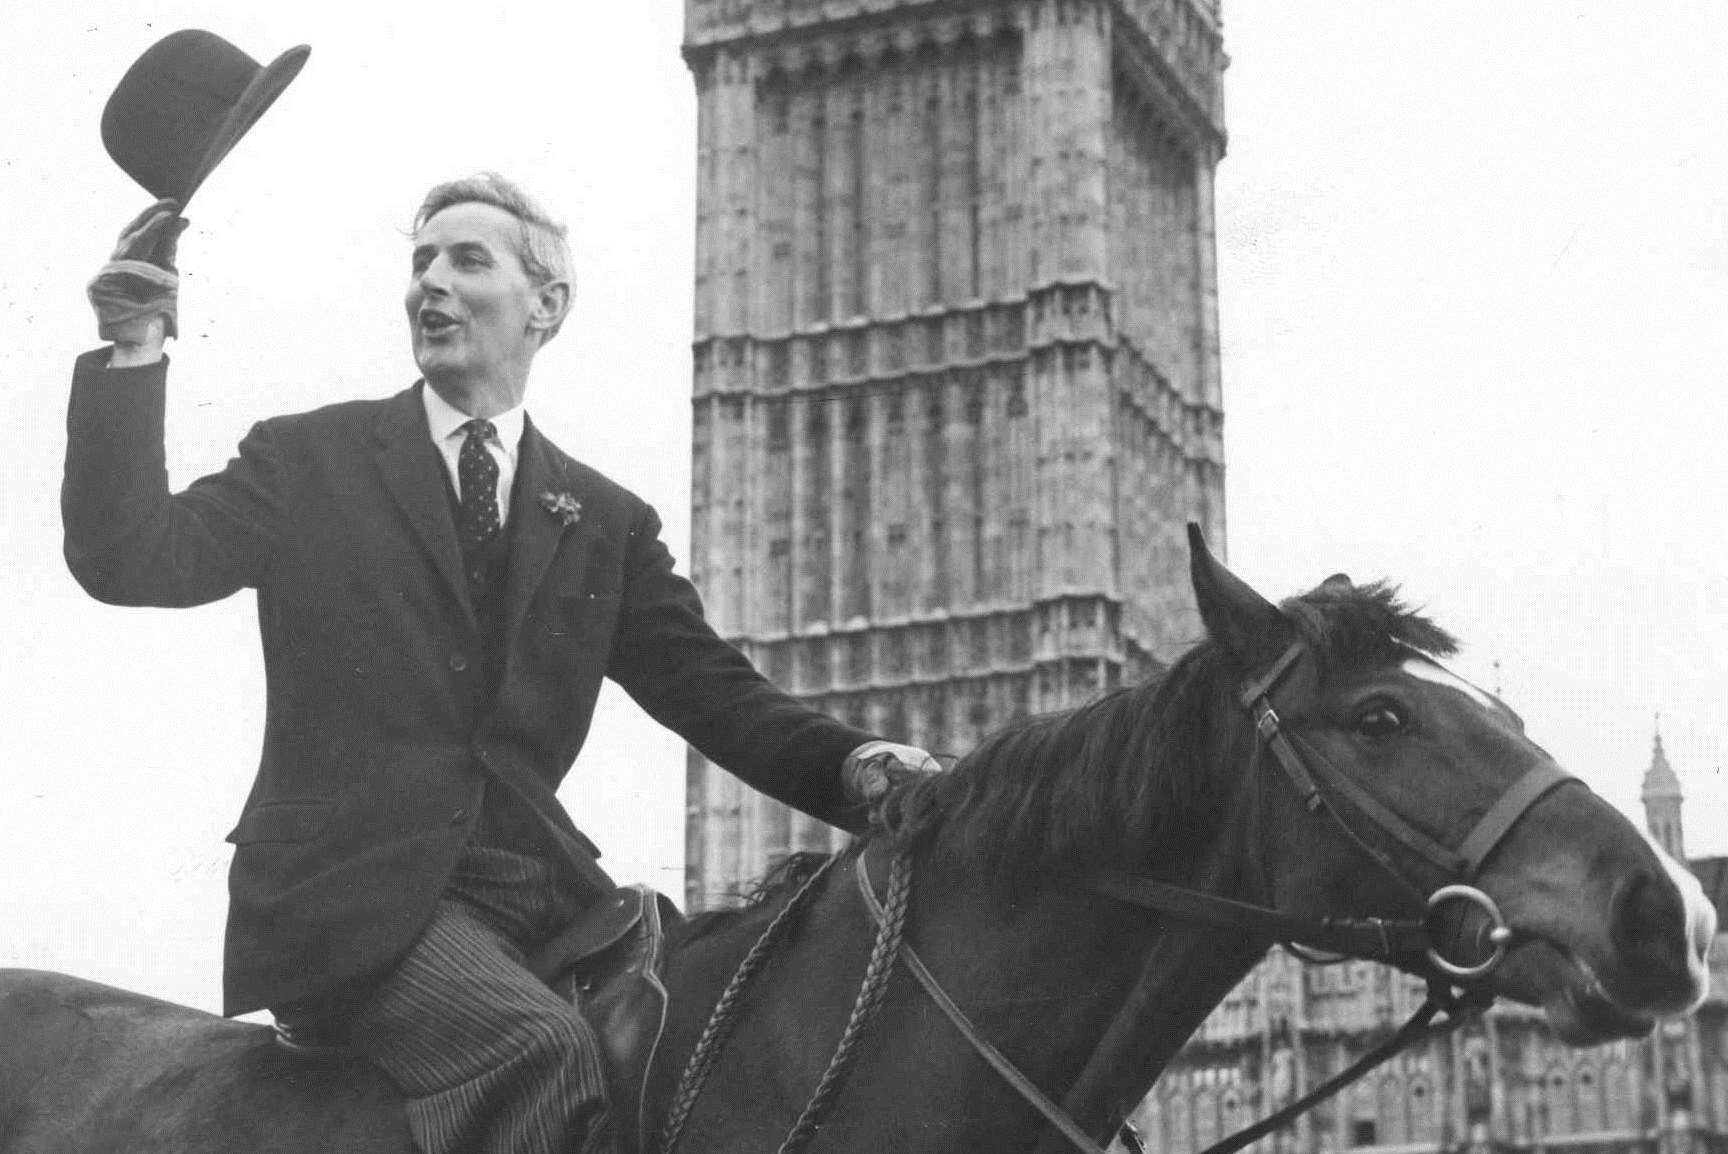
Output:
[[1248, 627]]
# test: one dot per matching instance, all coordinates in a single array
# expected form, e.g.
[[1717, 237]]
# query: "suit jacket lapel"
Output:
[[413, 473], [536, 531]]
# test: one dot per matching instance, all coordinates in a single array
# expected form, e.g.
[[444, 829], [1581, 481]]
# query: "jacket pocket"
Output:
[[282, 821]]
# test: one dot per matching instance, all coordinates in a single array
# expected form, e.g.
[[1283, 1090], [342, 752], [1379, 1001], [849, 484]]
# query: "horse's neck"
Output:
[[1091, 999], [1188, 971], [1188, 968]]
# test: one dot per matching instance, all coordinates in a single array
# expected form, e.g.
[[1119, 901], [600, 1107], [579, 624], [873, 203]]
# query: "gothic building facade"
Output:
[[1503, 1083], [956, 381]]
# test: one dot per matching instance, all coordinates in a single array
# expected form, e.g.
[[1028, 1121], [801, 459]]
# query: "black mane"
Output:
[[1076, 789], [1127, 776], [1121, 778]]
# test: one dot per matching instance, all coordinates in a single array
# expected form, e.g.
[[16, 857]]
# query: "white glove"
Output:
[[138, 288], [875, 767]]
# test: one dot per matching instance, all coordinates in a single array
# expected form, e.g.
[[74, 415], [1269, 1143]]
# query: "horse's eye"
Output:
[[1379, 721]]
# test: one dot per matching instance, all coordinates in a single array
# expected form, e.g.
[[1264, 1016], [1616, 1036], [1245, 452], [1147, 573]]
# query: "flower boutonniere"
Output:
[[562, 506]]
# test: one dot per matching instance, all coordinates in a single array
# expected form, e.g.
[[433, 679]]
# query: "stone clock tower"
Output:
[[956, 385]]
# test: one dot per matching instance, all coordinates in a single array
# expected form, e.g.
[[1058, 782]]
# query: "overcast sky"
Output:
[[1474, 274]]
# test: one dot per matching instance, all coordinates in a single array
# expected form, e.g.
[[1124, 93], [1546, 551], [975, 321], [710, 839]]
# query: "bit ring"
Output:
[[1500, 936]]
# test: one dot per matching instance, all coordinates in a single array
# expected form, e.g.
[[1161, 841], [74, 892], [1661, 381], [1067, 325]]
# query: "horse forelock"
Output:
[[1353, 626]]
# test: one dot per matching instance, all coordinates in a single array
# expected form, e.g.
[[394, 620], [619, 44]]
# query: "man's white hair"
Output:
[[541, 246]]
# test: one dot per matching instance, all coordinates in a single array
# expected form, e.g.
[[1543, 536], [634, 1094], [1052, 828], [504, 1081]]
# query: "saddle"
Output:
[[607, 962]]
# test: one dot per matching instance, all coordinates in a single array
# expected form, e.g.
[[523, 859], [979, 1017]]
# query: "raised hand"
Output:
[[136, 294]]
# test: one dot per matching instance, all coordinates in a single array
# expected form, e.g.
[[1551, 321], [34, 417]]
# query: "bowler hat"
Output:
[[184, 103]]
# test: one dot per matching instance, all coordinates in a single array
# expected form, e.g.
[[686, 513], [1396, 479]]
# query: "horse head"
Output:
[[1411, 795]]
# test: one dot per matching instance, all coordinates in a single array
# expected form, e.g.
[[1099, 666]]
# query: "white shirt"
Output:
[[446, 421]]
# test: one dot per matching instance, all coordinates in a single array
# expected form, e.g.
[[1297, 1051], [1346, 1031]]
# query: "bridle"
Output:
[[1408, 941], [1318, 783]]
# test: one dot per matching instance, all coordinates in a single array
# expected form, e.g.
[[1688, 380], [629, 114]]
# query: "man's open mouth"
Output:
[[433, 322]]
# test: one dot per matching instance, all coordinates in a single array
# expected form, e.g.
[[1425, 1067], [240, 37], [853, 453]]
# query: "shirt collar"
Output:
[[444, 419]]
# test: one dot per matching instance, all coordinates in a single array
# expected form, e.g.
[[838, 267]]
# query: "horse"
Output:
[[1084, 886]]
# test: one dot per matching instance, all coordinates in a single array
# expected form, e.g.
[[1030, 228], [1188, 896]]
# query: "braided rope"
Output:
[[871, 994], [889, 935], [725, 1014]]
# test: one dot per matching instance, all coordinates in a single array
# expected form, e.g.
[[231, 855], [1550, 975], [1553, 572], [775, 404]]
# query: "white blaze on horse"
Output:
[[1084, 887]]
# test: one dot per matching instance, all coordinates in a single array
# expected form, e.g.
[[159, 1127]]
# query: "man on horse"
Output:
[[440, 592]]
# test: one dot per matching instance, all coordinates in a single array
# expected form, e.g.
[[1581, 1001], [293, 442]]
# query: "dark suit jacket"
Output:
[[379, 736]]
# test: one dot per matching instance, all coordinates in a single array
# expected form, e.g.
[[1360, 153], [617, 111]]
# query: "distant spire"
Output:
[[1660, 780], [1662, 799]]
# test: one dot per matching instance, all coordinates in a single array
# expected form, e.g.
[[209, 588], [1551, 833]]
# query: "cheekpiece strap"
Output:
[[1256, 697], [1256, 688]]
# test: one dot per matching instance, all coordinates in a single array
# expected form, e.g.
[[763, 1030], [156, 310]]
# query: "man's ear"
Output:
[[551, 306]]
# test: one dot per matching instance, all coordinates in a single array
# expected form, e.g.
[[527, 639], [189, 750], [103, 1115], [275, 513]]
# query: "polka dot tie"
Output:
[[478, 472]]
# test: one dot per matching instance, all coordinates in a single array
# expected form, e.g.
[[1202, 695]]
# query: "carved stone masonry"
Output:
[[956, 381]]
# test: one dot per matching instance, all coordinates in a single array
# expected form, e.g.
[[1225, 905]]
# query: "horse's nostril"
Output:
[[1648, 921]]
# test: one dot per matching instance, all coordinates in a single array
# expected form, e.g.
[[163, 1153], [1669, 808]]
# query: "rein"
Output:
[[890, 932], [1420, 1027]]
